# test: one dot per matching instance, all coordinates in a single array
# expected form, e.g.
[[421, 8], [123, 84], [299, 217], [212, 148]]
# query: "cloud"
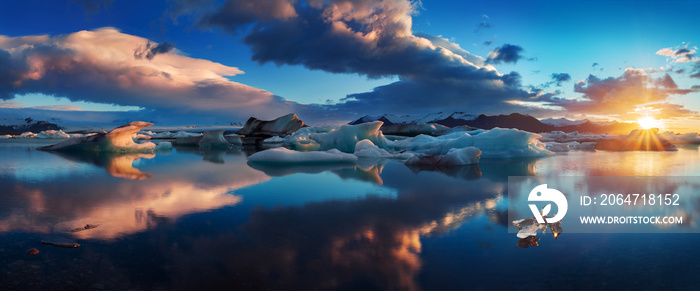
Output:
[[150, 50], [371, 38], [107, 66], [558, 78], [679, 54], [506, 53], [627, 94], [484, 24]]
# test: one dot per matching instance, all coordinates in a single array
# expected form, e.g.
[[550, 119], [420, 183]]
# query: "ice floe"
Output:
[[286, 156], [120, 139], [46, 134]]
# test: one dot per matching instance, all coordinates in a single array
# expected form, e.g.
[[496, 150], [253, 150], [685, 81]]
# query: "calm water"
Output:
[[186, 219]]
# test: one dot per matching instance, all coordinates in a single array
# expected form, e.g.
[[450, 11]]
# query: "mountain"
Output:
[[513, 120], [450, 119], [20, 125], [562, 121]]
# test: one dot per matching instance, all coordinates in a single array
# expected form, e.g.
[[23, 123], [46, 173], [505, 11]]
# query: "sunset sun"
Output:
[[649, 122]]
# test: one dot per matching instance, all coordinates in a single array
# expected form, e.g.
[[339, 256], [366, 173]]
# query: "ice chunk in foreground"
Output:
[[119, 139], [454, 157], [287, 156], [214, 139], [52, 134]]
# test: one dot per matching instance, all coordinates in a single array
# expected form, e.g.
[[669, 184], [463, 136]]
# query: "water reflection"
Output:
[[363, 243], [115, 164], [222, 224], [122, 207]]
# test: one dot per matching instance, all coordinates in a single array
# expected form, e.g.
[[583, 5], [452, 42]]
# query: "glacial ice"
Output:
[[165, 145], [234, 139], [214, 139], [52, 134], [282, 125], [494, 143], [688, 138], [562, 137], [273, 140], [179, 134], [366, 149], [287, 156], [342, 138], [27, 134], [6, 136], [119, 139]]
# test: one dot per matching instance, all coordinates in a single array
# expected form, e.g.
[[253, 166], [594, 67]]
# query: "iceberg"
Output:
[[273, 140], [27, 134], [287, 156], [343, 138], [234, 139], [366, 149], [494, 143], [214, 139], [283, 125], [119, 139], [688, 138], [52, 134]]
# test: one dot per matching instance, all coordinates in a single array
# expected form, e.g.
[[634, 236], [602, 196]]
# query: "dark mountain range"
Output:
[[16, 126], [513, 120]]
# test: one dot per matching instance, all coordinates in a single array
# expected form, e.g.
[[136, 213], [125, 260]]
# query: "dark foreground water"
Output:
[[189, 220]]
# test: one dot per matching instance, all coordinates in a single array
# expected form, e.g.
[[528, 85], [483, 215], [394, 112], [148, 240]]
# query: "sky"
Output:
[[216, 62]]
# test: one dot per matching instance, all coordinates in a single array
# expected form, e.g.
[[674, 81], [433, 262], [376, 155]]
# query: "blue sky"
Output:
[[544, 37]]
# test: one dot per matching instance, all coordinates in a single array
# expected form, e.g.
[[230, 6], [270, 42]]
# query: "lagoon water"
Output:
[[186, 219]]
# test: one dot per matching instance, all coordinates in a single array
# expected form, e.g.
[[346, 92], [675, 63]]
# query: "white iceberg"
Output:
[[342, 138], [366, 149], [287, 156], [494, 143], [27, 134], [52, 134], [6, 136], [119, 139]]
